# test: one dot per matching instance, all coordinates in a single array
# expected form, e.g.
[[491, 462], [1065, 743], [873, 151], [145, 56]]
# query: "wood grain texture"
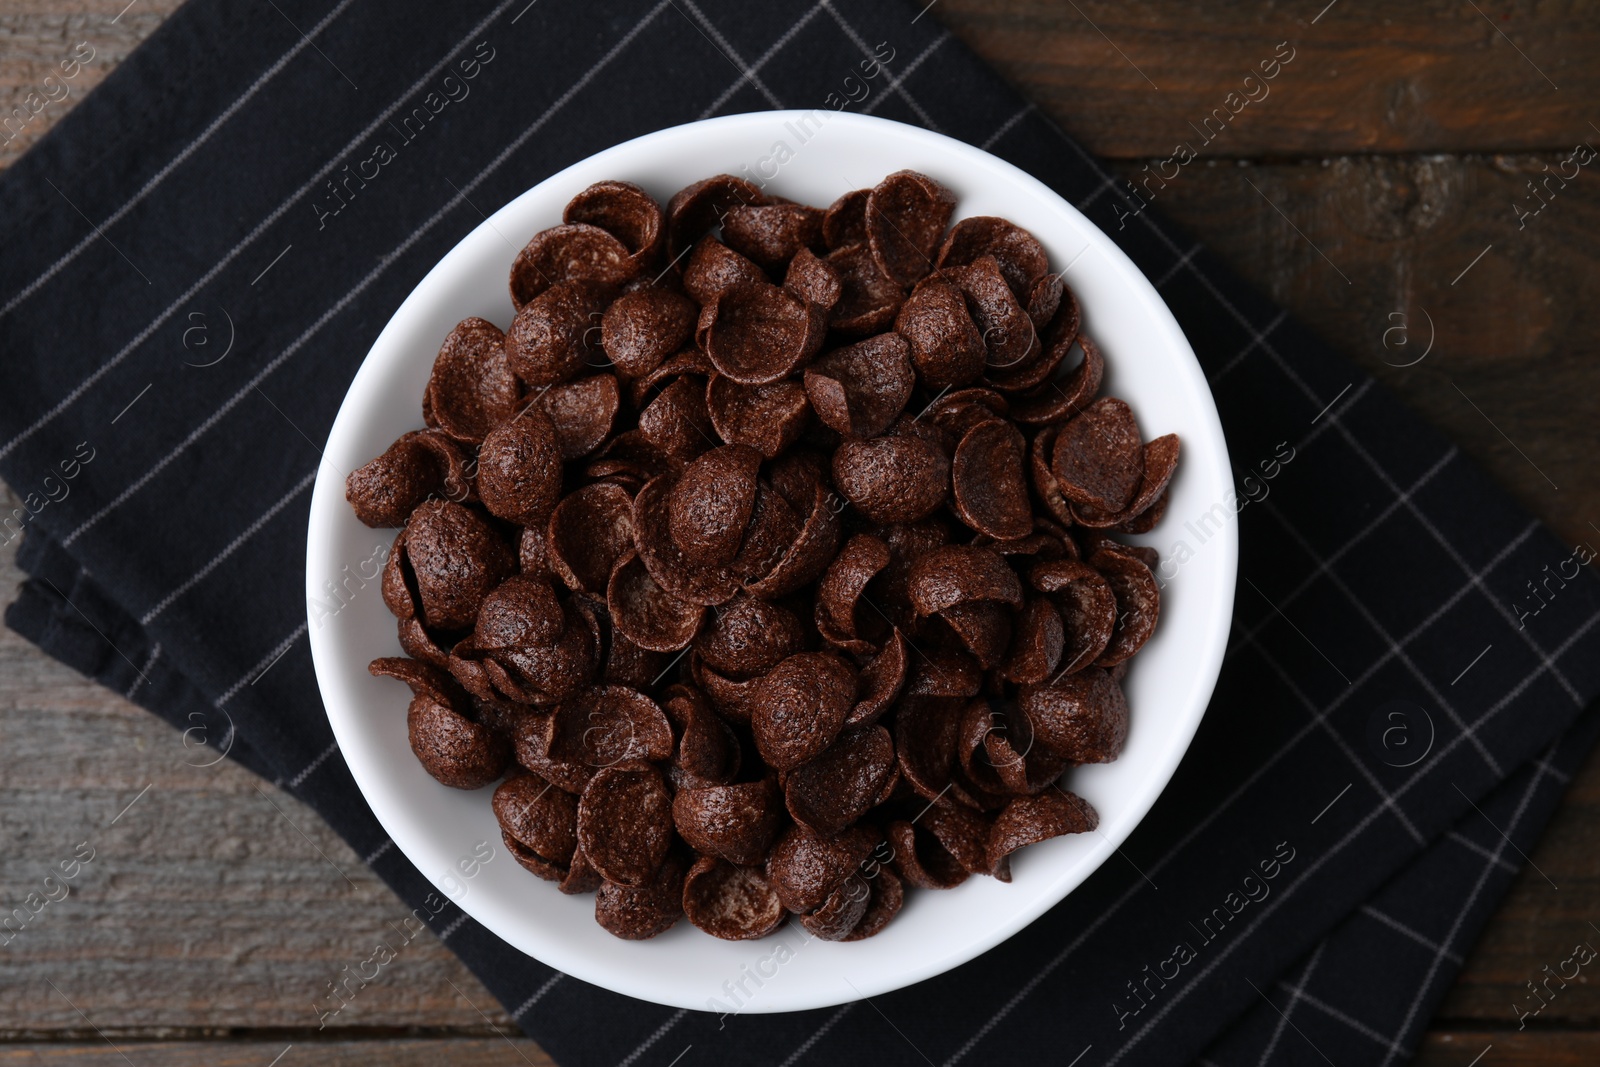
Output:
[[1508, 1048], [1349, 243], [207, 913], [1428, 76], [204, 907], [380, 1052]]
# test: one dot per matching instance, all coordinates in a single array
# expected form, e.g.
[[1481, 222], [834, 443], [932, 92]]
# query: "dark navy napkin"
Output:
[[200, 254]]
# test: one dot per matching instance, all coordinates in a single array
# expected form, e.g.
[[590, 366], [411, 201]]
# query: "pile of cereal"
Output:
[[766, 559]]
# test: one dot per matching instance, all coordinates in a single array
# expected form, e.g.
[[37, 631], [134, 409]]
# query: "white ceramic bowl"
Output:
[[1150, 365]]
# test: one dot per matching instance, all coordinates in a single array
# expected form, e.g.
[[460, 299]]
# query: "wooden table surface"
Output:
[[1387, 157]]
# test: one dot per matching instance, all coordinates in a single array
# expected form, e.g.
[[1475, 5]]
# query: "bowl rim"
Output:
[[328, 501]]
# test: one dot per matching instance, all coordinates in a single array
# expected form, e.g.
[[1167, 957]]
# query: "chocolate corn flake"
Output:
[[801, 707], [757, 332], [667, 563], [419, 465], [676, 423], [713, 268], [1045, 488], [906, 215], [637, 913], [1009, 337], [805, 557], [1138, 603], [625, 823], [840, 912], [421, 678], [1043, 300], [805, 869], [769, 418], [707, 751], [983, 627], [590, 530], [1098, 458], [888, 896], [731, 697], [735, 903], [472, 389], [964, 833], [647, 615], [1020, 257], [640, 329], [625, 211], [881, 682], [1054, 400], [836, 788], [528, 646], [569, 253], [608, 726], [541, 820], [522, 611], [839, 617], [737, 823], [989, 488], [770, 560], [583, 412], [960, 410], [749, 636], [1088, 609], [1160, 460], [845, 221], [442, 728], [1147, 519], [1082, 717], [772, 234], [868, 298], [1029, 820], [1039, 641], [458, 752], [995, 749], [453, 558], [710, 507], [699, 207], [861, 388], [557, 333], [897, 478], [946, 344], [959, 574], [813, 281], [921, 860], [519, 469]]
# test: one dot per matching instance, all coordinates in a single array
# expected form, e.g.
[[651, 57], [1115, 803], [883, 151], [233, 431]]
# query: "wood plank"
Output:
[[1512, 375], [1435, 76], [1509, 1048], [1431, 76], [391, 1052], [202, 906]]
